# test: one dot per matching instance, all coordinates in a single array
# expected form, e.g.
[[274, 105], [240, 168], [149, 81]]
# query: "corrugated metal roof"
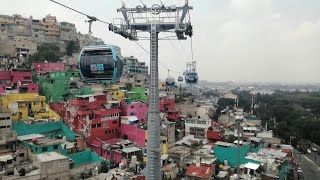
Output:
[[201, 171]]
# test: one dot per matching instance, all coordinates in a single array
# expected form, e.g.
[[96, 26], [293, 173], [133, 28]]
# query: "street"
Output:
[[310, 172]]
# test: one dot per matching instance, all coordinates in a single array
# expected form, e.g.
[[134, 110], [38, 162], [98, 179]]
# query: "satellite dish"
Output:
[[13, 107]]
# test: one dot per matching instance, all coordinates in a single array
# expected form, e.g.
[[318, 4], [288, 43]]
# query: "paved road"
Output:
[[310, 172], [314, 157]]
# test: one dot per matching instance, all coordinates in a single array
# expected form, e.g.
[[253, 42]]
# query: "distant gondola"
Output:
[[180, 78], [191, 77], [170, 81], [101, 63]]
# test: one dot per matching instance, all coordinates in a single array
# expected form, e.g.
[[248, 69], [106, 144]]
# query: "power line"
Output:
[[158, 60]]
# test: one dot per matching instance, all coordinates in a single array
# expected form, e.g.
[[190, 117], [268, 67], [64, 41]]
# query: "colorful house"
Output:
[[228, 151], [92, 117], [41, 67], [137, 94], [18, 82], [28, 106], [135, 108], [117, 93], [60, 86]]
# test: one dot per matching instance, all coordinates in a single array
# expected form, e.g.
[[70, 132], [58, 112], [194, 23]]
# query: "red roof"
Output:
[[204, 171]]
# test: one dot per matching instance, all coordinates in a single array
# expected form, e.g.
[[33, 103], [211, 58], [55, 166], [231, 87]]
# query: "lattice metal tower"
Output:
[[153, 19]]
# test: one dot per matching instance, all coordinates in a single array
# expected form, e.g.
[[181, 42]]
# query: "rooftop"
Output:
[[50, 156], [130, 149], [252, 166], [201, 172], [29, 137]]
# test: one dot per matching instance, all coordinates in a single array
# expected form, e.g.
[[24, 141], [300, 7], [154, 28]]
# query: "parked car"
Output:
[[314, 149], [309, 151]]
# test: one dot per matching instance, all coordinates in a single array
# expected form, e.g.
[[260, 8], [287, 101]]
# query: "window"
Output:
[[114, 122], [115, 130], [99, 125], [21, 155], [132, 107], [36, 103], [55, 147], [44, 149], [107, 132], [164, 141], [132, 113]]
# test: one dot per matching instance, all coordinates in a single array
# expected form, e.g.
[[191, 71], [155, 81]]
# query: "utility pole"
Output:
[[154, 19], [238, 120]]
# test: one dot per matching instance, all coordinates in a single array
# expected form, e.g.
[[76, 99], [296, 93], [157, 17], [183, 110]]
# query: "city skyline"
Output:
[[234, 40]]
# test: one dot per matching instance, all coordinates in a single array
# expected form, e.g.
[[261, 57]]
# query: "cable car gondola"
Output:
[[180, 78], [191, 77], [170, 81], [101, 63]]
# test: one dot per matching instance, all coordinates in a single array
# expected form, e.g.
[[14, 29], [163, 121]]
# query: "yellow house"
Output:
[[163, 145], [25, 105], [117, 93]]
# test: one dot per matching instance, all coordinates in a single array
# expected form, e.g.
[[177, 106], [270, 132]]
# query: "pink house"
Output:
[[166, 105], [47, 67], [28, 87], [138, 109], [113, 150], [133, 133], [22, 79], [15, 76]]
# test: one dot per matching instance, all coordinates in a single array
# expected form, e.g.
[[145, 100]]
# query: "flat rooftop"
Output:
[[130, 149], [50, 156], [41, 140]]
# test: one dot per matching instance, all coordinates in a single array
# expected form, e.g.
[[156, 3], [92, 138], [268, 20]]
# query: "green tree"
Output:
[[71, 48], [46, 52]]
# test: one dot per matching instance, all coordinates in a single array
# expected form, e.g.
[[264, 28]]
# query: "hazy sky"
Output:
[[234, 40]]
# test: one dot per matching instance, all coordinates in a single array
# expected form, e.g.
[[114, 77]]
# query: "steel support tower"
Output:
[[153, 20]]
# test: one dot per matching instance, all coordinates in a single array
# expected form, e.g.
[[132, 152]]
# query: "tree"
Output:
[[46, 52], [71, 48]]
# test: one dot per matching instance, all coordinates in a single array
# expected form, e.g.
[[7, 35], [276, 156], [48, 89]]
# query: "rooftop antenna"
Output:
[[154, 19]]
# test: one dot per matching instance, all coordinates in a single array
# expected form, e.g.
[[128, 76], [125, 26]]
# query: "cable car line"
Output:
[[92, 19], [88, 16], [158, 60]]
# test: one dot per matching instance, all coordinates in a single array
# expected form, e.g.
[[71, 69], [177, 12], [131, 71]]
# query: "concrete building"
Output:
[[168, 130], [197, 127], [52, 165], [68, 33], [187, 109], [133, 66], [205, 111], [20, 35], [52, 31], [87, 40], [8, 137]]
